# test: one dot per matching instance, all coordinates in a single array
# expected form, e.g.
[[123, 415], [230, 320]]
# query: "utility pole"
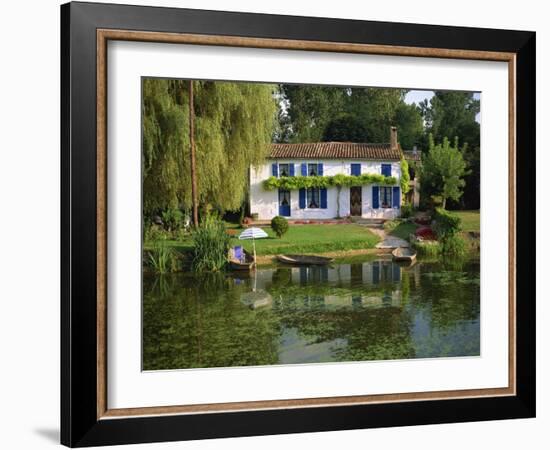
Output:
[[193, 165]]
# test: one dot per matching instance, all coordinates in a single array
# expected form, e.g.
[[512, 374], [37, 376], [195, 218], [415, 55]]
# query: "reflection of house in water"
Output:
[[369, 284]]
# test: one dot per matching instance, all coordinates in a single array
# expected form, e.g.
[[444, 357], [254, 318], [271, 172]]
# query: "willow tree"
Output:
[[234, 123]]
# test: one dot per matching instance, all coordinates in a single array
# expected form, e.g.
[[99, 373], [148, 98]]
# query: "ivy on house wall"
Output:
[[405, 177], [340, 180]]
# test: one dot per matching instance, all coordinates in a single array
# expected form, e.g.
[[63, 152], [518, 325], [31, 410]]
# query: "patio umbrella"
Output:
[[253, 233]]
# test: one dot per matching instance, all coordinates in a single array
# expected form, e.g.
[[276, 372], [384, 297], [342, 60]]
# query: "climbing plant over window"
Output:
[[293, 183], [405, 177]]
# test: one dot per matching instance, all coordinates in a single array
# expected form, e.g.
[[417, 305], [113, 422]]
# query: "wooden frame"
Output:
[[86, 418]]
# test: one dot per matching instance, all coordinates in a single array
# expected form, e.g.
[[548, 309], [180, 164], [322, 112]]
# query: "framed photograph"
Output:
[[276, 224]]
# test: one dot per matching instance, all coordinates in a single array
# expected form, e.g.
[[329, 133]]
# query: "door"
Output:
[[284, 203], [355, 203]]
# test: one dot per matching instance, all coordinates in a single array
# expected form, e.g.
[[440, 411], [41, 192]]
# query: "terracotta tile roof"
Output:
[[335, 150]]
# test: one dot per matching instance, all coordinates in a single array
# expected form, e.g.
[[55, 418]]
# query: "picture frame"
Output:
[[86, 418]]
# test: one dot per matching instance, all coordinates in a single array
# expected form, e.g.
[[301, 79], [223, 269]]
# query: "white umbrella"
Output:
[[253, 233]]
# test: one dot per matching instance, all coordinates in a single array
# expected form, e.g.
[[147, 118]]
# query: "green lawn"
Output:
[[404, 229], [470, 220], [301, 239], [315, 239]]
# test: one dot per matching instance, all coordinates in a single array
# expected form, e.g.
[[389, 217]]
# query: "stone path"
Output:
[[388, 241]]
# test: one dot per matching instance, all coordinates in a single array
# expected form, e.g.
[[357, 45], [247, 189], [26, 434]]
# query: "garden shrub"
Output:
[[425, 233], [155, 233], [406, 210], [210, 245], [453, 245], [173, 219], [446, 223], [279, 225]]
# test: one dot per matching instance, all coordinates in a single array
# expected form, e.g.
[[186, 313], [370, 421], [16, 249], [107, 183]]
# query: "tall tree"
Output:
[[410, 126], [453, 114], [310, 108], [234, 123], [442, 172], [376, 108]]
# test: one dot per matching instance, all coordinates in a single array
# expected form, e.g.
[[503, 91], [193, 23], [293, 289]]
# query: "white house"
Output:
[[328, 159]]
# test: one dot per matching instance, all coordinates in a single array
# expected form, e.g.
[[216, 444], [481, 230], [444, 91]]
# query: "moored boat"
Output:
[[304, 260], [240, 259], [404, 254]]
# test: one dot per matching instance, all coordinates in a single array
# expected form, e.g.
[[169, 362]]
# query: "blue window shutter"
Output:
[[320, 169], [396, 203], [324, 198], [302, 198], [292, 169], [304, 170], [274, 170], [356, 169], [375, 197], [386, 170]]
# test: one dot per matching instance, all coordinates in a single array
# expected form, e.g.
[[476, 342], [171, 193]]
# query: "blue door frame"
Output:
[[284, 203]]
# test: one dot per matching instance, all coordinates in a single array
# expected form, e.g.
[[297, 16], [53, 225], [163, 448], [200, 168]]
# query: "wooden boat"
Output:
[[304, 260], [240, 259], [404, 254]]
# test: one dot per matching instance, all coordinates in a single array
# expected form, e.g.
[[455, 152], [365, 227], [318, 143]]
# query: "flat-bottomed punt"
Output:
[[240, 259], [304, 260], [403, 254]]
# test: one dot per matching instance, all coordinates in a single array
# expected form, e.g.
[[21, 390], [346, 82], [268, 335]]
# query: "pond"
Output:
[[349, 311]]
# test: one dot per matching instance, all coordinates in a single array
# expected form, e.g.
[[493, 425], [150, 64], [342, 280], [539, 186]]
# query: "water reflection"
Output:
[[366, 310]]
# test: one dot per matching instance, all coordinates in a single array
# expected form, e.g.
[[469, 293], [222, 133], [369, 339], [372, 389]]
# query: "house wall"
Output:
[[266, 203]]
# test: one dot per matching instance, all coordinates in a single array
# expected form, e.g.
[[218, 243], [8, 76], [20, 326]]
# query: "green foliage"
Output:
[[154, 233], [409, 123], [279, 225], [316, 113], [405, 177], [450, 114], [234, 123], [442, 171], [293, 183], [454, 245], [163, 259], [427, 248], [309, 110], [346, 128], [210, 245], [173, 219], [406, 210], [446, 224]]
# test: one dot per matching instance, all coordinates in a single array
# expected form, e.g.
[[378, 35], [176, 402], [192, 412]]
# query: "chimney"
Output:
[[393, 138]]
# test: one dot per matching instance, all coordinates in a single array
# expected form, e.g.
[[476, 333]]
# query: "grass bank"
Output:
[[300, 239], [470, 220]]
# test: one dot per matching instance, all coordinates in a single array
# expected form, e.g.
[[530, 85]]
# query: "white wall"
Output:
[[266, 203], [29, 319]]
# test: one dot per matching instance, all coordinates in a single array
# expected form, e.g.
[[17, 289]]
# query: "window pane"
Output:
[[385, 196], [283, 170], [313, 198], [312, 169]]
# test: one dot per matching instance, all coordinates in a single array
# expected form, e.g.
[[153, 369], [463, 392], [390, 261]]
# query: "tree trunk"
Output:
[[193, 165], [444, 202]]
